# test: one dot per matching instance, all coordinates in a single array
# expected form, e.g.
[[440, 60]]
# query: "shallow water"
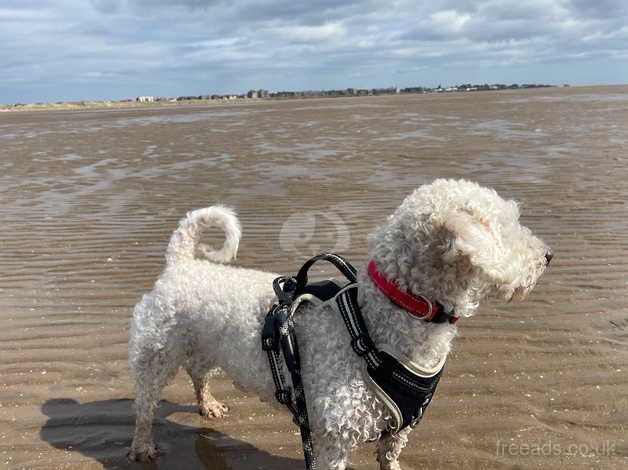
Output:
[[90, 198]]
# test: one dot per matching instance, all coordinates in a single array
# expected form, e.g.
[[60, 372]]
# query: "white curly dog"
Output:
[[451, 241]]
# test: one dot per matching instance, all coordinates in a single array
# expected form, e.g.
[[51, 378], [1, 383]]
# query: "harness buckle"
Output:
[[283, 396], [284, 288], [362, 344], [269, 334]]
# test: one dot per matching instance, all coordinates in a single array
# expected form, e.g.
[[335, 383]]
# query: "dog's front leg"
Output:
[[143, 449], [331, 452], [389, 448]]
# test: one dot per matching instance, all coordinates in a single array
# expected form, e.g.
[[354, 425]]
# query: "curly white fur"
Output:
[[451, 241]]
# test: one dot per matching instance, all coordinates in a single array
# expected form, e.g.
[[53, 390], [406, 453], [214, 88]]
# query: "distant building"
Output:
[[414, 89], [145, 99]]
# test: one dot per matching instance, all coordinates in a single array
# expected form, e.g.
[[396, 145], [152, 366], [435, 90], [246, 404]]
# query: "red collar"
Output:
[[417, 306]]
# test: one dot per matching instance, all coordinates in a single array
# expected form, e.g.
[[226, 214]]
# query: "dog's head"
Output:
[[457, 242]]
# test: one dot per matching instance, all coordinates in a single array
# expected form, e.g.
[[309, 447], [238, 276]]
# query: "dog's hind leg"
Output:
[[200, 373], [389, 448], [153, 369]]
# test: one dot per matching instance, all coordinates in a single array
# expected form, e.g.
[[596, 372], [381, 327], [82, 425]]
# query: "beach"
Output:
[[89, 199]]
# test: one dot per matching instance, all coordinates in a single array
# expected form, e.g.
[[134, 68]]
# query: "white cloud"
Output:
[[322, 32], [449, 20]]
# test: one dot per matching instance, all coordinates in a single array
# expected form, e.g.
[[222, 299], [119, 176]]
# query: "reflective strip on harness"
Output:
[[361, 342]]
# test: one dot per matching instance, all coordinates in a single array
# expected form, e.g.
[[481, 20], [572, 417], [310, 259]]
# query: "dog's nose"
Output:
[[548, 256]]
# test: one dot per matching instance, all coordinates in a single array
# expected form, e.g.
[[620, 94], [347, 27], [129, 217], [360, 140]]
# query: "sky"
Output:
[[62, 50]]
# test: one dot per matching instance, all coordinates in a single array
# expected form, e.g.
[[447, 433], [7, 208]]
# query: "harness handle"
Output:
[[338, 261]]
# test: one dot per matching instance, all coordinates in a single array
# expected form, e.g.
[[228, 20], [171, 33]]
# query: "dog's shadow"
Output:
[[102, 431]]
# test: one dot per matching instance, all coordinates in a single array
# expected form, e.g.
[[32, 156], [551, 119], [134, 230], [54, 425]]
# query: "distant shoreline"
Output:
[[96, 105], [260, 95]]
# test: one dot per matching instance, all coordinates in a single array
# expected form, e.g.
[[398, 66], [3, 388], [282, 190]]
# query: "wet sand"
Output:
[[89, 199]]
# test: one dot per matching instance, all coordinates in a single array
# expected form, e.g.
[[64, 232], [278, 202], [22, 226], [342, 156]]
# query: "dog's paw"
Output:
[[386, 464], [213, 409], [143, 453], [390, 466]]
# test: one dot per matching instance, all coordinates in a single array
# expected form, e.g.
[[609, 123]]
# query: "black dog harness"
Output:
[[405, 388]]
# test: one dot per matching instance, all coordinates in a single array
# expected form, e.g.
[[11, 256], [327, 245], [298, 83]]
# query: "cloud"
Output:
[[120, 48], [308, 34], [106, 6], [449, 20]]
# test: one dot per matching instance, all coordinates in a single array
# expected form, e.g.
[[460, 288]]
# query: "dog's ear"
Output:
[[471, 238]]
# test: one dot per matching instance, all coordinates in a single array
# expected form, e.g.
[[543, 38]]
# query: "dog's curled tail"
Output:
[[185, 238]]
